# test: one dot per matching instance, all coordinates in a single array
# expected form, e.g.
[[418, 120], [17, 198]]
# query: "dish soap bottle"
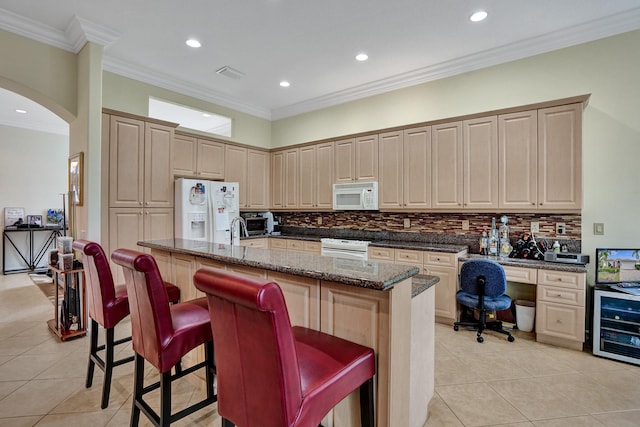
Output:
[[556, 246]]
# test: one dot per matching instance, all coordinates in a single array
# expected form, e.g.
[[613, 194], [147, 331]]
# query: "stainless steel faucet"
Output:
[[243, 228]]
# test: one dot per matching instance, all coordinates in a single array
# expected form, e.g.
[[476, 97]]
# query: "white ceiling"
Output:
[[312, 44]]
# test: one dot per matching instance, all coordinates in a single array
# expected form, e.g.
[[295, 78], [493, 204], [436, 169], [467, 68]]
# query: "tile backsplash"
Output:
[[440, 223]]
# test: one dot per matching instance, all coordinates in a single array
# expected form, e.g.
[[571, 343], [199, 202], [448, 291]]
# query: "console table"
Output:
[[30, 253]]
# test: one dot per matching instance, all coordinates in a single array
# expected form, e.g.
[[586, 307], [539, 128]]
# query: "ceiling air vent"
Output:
[[230, 72]]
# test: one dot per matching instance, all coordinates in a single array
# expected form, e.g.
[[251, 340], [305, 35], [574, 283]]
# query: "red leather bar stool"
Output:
[[108, 305], [162, 335], [271, 374]]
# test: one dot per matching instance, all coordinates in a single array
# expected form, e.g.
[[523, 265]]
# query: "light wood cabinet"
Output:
[[391, 172], [277, 180], [315, 176], [291, 178], [158, 164], [126, 162], [140, 164], [480, 171], [446, 166], [185, 155], [257, 187], [255, 243], [345, 160], [417, 168], [560, 308], [445, 304], [128, 226], [381, 254], [284, 178], [518, 160], [249, 168], [405, 169], [302, 296], [540, 159], [235, 169], [198, 157], [560, 157], [356, 159], [278, 244]]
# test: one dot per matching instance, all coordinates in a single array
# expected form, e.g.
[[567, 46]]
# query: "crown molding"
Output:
[[183, 87], [80, 31], [578, 34], [34, 30]]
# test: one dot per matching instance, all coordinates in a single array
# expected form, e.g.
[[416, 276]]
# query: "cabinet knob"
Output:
[[140, 203], [533, 203], [559, 321]]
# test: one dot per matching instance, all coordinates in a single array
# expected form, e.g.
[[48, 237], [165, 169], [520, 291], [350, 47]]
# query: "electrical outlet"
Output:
[[465, 225], [407, 223], [319, 220], [535, 227], [598, 228], [561, 228]]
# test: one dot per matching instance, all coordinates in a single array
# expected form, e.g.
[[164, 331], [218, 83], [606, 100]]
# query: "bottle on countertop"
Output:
[[505, 244], [493, 239], [484, 242], [556, 246]]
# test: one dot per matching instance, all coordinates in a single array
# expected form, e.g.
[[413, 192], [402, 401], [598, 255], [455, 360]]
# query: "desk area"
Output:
[[559, 295], [25, 249]]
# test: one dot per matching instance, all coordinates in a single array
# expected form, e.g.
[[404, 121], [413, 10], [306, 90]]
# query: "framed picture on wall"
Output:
[[75, 179]]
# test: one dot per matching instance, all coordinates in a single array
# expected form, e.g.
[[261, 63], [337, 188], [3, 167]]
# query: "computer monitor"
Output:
[[617, 265]]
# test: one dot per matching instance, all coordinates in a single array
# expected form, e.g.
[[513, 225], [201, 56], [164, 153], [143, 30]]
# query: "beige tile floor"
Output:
[[491, 384]]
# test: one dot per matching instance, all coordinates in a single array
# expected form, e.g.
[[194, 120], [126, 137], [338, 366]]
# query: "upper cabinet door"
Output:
[[480, 151], [345, 160], [560, 157], [210, 161], [158, 166], [257, 179], [367, 158], [235, 169], [391, 170], [446, 166], [417, 168], [277, 180], [307, 177], [291, 157], [126, 162], [518, 160], [184, 155], [324, 175]]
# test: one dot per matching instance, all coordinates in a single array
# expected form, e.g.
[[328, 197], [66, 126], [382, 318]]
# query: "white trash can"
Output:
[[525, 315]]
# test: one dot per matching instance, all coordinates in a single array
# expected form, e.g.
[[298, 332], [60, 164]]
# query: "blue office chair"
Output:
[[483, 285]]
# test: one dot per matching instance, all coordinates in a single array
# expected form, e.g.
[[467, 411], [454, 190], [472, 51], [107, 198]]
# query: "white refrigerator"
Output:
[[204, 210]]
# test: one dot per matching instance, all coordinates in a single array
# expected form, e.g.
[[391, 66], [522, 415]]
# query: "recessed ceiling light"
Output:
[[285, 83], [21, 111], [362, 57], [478, 16], [193, 43], [206, 115]]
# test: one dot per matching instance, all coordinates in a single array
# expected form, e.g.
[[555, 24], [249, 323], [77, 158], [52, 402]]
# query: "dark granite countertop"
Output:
[[528, 263], [422, 282], [365, 274]]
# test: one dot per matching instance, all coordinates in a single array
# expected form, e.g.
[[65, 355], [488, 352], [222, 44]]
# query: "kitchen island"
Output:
[[372, 303]]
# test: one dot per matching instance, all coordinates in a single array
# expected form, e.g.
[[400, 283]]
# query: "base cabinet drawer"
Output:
[[521, 275], [255, 243], [560, 321], [563, 279], [560, 295], [382, 254], [277, 244], [407, 256]]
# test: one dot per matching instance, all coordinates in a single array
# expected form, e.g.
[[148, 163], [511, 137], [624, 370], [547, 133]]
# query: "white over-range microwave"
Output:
[[355, 196]]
